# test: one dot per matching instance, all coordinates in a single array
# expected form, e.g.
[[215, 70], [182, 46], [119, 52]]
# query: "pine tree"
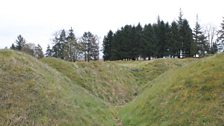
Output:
[[20, 43], [116, 46], [13, 47], [107, 46], [162, 30], [71, 46], [90, 46], [138, 40], [220, 38], [174, 40], [200, 40], [59, 44], [48, 51], [185, 37], [148, 45]]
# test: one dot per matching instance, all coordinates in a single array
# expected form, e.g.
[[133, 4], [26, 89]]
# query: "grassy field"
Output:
[[167, 92]]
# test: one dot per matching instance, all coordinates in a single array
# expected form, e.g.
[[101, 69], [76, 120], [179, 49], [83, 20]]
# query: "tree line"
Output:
[[29, 48], [66, 46], [159, 40]]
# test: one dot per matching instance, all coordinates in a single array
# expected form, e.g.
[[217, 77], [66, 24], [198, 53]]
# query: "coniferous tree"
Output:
[[107, 46], [162, 30], [90, 46], [149, 43], [13, 47], [220, 38], [59, 44], [174, 40], [185, 37], [158, 40], [200, 39], [116, 46], [20, 43], [137, 41], [71, 46], [48, 51]]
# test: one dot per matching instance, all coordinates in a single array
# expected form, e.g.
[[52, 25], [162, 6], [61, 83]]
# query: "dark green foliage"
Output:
[[107, 45], [149, 43], [158, 40], [20, 43], [200, 40], [13, 47], [90, 46], [174, 42], [59, 44], [186, 38]]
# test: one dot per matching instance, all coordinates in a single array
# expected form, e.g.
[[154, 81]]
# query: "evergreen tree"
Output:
[[13, 47], [138, 40], [48, 51], [174, 40], [220, 38], [185, 37], [157, 40], [149, 43], [59, 44], [107, 46], [162, 31], [20, 43], [116, 46], [90, 46], [71, 47], [200, 39]]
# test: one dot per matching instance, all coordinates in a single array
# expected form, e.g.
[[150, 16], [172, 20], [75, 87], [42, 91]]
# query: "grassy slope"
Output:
[[106, 80], [115, 82], [146, 71], [191, 95], [171, 91], [32, 93]]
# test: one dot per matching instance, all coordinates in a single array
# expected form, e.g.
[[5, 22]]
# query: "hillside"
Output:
[[32, 93], [190, 95], [116, 82], [106, 80], [169, 92]]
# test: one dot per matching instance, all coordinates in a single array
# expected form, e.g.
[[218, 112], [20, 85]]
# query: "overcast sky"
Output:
[[38, 20]]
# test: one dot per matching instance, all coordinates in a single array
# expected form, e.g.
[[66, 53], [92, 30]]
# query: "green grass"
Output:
[[146, 71], [106, 80], [166, 92], [32, 93], [190, 95]]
